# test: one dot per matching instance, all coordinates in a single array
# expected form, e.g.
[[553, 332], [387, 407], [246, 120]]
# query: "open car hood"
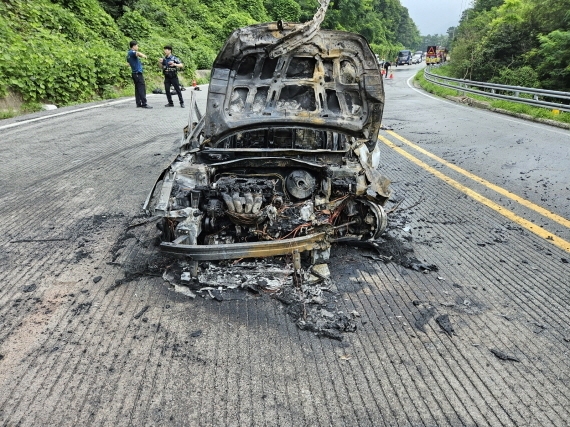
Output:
[[279, 74]]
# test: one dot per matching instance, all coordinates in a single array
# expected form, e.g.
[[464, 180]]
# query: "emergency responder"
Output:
[[387, 66], [170, 65], [133, 60]]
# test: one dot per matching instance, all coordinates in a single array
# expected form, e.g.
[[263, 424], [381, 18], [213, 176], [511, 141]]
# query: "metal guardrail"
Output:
[[510, 93]]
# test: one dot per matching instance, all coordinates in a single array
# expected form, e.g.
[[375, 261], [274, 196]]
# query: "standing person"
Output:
[[386, 68], [170, 65], [140, 88]]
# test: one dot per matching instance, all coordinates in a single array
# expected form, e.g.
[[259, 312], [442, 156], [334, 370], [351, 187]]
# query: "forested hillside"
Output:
[[65, 51], [517, 42]]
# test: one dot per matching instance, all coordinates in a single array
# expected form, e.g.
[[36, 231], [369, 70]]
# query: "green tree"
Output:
[[450, 37], [553, 59], [285, 10], [484, 5], [134, 25], [255, 9], [502, 40]]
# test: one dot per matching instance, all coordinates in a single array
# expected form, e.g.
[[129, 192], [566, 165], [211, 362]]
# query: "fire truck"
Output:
[[436, 55], [431, 55]]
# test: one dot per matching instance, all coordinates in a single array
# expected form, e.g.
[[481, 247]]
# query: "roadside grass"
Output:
[[30, 107], [8, 114], [25, 108], [514, 107]]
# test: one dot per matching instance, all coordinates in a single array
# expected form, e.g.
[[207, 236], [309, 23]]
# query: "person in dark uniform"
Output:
[[170, 65], [386, 68], [140, 88]]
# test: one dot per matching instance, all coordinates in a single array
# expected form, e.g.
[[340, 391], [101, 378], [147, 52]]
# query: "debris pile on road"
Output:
[[394, 245], [309, 293]]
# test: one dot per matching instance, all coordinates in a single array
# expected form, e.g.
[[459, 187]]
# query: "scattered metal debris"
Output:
[[308, 292], [503, 356], [29, 288], [270, 277], [140, 313], [184, 291], [427, 312], [144, 221], [445, 324], [119, 282]]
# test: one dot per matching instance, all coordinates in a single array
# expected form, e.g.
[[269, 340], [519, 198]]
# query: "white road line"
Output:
[[23, 122], [500, 116]]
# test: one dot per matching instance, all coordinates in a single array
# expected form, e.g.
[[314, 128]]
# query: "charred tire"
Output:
[[364, 218], [381, 218]]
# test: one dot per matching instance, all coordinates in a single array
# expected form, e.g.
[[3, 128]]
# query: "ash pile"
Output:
[[308, 293]]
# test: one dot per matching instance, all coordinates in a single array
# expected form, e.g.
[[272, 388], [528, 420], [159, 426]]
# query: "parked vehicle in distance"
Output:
[[404, 57], [416, 59]]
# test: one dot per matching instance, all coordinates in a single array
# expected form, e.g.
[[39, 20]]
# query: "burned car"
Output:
[[285, 159]]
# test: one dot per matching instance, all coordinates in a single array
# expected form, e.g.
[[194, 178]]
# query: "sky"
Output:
[[435, 16]]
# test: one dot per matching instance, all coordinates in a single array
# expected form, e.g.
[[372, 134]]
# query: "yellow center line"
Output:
[[533, 228], [538, 209]]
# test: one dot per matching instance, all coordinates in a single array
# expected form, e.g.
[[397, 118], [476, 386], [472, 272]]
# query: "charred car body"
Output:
[[285, 158]]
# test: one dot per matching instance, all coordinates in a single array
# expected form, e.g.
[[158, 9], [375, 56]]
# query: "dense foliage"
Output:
[[517, 42], [48, 53], [67, 51], [435, 40]]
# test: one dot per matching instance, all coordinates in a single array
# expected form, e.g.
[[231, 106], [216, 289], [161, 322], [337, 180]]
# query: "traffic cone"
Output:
[[391, 75]]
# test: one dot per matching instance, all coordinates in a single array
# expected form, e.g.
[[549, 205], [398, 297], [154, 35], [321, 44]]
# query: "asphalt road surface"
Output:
[[84, 341]]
